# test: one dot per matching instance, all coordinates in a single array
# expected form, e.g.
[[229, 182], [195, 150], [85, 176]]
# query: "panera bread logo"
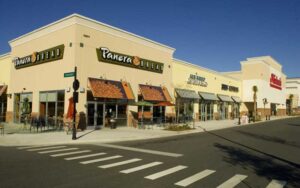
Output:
[[35, 58], [107, 56]]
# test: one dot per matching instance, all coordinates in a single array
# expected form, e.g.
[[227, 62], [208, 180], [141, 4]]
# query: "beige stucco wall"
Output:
[[257, 71], [5, 63], [89, 66], [50, 76], [182, 71], [47, 76]]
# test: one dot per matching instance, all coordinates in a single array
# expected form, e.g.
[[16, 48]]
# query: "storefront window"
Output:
[[19, 105], [184, 110], [52, 106], [3, 106]]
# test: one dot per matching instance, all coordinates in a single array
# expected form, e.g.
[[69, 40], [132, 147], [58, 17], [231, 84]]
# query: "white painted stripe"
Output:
[[119, 163], [276, 184], [165, 172], [138, 168], [192, 179], [232, 181], [58, 150], [70, 153], [53, 147], [141, 150], [84, 156], [28, 147], [101, 159]]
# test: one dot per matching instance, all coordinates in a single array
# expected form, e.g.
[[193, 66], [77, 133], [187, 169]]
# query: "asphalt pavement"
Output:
[[261, 155]]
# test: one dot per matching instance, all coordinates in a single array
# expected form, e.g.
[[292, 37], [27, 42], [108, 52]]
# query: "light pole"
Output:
[[265, 101]]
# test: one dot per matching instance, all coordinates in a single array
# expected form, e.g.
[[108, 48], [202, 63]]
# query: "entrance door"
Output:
[[95, 113], [203, 112]]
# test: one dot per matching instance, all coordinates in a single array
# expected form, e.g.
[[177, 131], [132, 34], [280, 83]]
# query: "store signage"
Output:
[[107, 56], [197, 80], [275, 82], [226, 87], [36, 58]]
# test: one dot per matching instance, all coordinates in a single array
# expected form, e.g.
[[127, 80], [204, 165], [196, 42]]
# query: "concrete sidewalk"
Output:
[[107, 135]]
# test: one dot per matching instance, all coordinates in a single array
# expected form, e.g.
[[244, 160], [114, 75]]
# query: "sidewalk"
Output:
[[106, 135]]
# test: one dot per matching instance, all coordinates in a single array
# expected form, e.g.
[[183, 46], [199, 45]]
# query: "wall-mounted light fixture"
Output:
[[81, 90], [68, 89]]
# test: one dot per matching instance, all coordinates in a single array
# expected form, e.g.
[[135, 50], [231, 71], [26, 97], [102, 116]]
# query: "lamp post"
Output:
[[265, 101], [75, 100]]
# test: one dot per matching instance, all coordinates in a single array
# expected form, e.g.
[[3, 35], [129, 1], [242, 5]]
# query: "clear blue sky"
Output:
[[216, 34]]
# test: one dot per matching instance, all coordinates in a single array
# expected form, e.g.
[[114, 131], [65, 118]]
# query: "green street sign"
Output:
[[69, 74]]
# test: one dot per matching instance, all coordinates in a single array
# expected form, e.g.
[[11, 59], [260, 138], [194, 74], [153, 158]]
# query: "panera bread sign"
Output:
[[37, 58], [107, 56]]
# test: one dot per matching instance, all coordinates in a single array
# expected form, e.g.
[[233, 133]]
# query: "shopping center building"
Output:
[[126, 76]]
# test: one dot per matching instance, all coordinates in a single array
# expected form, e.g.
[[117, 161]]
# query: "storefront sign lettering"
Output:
[[107, 56], [36, 58], [197, 80], [275, 82]]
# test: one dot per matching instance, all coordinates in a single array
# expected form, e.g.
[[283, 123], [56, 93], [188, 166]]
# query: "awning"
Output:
[[164, 103], [110, 89], [236, 99], [154, 93], [3, 89], [187, 94], [208, 96], [225, 98]]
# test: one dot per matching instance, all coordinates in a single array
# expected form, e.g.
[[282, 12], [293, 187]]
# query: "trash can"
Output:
[[113, 123]]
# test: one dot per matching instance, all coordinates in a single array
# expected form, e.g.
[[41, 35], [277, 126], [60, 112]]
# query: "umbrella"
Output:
[[70, 112]]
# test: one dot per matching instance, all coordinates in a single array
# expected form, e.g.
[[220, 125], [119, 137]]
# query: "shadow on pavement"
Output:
[[293, 124], [269, 138], [85, 134], [263, 166]]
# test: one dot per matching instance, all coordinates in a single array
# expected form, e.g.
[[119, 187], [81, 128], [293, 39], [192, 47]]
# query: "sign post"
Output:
[[75, 100]]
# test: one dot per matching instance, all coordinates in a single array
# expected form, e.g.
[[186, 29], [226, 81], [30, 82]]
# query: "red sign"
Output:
[[275, 82]]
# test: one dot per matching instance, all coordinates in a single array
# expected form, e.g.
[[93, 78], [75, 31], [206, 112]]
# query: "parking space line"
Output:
[[187, 181], [276, 184], [142, 167], [53, 147], [28, 147], [85, 156], [58, 150], [101, 159], [120, 163], [70, 153], [165, 172], [232, 181]]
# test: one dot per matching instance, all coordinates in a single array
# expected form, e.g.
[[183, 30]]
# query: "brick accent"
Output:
[[9, 116], [263, 112], [216, 116], [281, 112]]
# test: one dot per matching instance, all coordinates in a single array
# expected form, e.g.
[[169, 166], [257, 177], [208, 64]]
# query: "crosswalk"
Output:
[[86, 157]]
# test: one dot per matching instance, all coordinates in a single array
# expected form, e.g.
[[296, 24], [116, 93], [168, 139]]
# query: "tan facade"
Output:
[[182, 71], [81, 37], [265, 73], [196, 93]]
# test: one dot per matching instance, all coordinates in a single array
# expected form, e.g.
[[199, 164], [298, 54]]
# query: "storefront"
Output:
[[3, 102], [270, 83], [207, 102], [185, 101], [210, 92], [116, 69]]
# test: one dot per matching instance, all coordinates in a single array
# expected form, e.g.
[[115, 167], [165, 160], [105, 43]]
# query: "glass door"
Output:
[[91, 114], [203, 112], [99, 114]]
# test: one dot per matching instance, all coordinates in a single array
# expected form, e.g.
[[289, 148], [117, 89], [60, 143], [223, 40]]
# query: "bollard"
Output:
[[239, 121]]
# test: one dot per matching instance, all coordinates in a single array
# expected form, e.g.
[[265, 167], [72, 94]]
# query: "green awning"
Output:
[[225, 98], [187, 94], [208, 96]]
